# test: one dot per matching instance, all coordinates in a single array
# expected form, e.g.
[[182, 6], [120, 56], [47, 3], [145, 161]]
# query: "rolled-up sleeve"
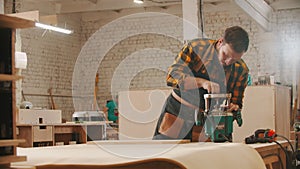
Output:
[[180, 68], [241, 76]]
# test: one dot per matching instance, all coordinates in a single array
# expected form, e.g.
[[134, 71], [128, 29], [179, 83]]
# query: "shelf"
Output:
[[4, 77], [8, 143], [11, 158], [11, 142], [15, 22]]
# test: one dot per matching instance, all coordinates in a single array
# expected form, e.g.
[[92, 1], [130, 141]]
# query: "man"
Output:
[[203, 66], [111, 110]]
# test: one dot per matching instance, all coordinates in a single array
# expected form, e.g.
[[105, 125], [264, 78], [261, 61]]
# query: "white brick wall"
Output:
[[51, 57], [1, 6], [274, 53], [265, 54], [287, 28], [131, 55]]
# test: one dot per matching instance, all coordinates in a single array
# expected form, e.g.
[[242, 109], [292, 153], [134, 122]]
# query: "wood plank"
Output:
[[11, 158], [30, 15], [21, 167], [11, 142], [5, 77], [15, 22], [25, 132], [268, 146], [119, 142]]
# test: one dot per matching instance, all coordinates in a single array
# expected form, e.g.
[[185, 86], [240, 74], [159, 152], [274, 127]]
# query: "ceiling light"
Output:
[[53, 28], [138, 1]]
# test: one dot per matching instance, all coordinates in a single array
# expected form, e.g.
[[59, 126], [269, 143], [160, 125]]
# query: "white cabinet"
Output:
[[41, 116], [265, 107]]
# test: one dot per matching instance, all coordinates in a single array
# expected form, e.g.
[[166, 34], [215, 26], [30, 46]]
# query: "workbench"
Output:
[[272, 153], [37, 135]]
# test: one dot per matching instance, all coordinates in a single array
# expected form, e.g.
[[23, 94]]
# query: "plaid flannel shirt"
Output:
[[199, 58]]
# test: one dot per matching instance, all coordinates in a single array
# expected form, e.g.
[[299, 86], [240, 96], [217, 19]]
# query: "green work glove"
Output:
[[238, 117]]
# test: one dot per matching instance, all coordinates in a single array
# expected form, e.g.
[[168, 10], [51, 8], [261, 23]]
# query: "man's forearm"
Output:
[[196, 82]]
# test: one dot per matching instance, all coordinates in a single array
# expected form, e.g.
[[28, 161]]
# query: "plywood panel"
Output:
[[139, 112], [42, 133]]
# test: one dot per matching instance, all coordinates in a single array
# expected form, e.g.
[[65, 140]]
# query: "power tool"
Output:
[[218, 121], [261, 136]]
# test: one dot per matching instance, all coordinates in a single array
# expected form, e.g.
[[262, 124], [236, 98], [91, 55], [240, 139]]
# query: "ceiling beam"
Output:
[[258, 10], [85, 6], [93, 1], [286, 4]]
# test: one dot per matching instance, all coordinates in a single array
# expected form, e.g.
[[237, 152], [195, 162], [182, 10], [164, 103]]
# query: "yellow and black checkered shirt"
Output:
[[199, 58]]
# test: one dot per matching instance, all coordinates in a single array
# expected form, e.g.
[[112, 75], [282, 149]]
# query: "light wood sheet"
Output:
[[189, 155]]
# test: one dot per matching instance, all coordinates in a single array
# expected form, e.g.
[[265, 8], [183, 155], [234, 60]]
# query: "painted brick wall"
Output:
[[1, 6], [140, 50], [269, 52], [215, 23], [139, 61], [266, 55], [51, 58], [287, 29]]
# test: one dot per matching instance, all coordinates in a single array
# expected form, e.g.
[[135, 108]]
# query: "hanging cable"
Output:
[[13, 6], [292, 148], [201, 18], [287, 156]]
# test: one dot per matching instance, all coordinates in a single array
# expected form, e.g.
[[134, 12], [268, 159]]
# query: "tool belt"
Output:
[[171, 125]]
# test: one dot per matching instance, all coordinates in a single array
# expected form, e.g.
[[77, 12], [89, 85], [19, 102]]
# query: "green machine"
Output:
[[218, 121]]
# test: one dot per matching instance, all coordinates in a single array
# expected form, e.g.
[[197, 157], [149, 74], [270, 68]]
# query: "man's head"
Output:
[[233, 45]]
